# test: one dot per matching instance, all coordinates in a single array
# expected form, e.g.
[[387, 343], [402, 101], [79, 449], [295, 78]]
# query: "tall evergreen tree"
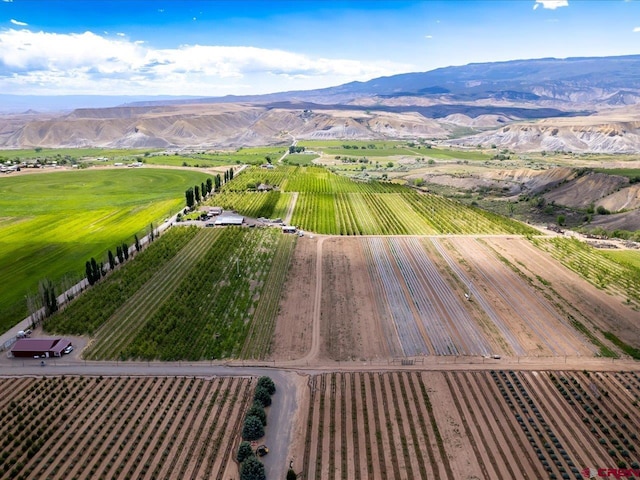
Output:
[[209, 185], [95, 268], [112, 260], [218, 181], [125, 251], [120, 254], [203, 190], [190, 197], [137, 242], [89, 273], [231, 174], [196, 191]]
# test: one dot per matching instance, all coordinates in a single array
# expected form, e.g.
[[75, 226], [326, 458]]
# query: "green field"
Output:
[[300, 159], [630, 257], [55, 154], [51, 223], [631, 173], [191, 295], [377, 148]]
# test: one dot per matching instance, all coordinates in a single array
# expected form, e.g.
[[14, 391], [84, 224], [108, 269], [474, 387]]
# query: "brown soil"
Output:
[[350, 322], [294, 326], [584, 301]]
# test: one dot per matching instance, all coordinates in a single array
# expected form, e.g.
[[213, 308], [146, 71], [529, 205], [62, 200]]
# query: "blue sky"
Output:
[[212, 48]]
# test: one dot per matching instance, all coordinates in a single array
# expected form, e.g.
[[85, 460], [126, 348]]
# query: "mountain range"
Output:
[[577, 104]]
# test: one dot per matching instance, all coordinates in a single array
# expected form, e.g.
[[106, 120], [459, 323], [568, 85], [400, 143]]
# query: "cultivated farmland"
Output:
[[489, 425], [53, 222], [121, 427], [405, 297], [195, 301]]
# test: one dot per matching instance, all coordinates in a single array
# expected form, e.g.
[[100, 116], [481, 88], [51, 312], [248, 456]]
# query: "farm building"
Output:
[[31, 347], [229, 219], [214, 211], [289, 229]]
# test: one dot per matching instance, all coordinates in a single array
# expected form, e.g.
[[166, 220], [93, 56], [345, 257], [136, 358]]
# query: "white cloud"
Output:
[[551, 4], [428, 36], [637, 29], [88, 63], [7, 1], [120, 34], [20, 24]]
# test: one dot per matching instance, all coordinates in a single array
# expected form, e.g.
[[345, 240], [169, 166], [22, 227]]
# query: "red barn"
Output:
[[32, 347]]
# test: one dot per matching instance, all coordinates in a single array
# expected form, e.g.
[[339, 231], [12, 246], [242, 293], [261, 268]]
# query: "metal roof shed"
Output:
[[30, 347], [229, 219]]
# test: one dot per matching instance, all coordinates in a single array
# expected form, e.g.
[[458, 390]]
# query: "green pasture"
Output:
[[52, 223], [623, 172], [301, 159], [377, 148], [69, 153], [630, 257], [200, 161]]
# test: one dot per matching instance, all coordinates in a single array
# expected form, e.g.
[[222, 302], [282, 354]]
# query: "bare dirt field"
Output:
[[391, 297], [467, 425], [567, 289], [293, 334], [121, 427]]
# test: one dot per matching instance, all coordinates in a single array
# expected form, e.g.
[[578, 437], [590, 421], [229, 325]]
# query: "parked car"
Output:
[[68, 350]]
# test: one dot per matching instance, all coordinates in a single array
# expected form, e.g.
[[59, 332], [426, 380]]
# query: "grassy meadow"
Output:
[[52, 223]]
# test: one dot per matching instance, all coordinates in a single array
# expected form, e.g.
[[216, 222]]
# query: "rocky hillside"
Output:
[[575, 104], [599, 134]]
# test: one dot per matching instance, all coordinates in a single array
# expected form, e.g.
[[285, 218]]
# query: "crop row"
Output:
[[400, 213], [209, 314], [91, 309], [127, 321], [253, 204], [72, 427], [334, 204], [371, 425], [613, 423], [528, 309], [258, 343], [594, 266]]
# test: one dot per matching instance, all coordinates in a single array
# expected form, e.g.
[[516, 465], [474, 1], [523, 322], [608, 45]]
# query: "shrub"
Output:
[[252, 429], [257, 410], [252, 469], [268, 384], [291, 474], [262, 396], [244, 451]]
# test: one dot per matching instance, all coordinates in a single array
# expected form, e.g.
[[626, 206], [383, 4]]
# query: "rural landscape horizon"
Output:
[[320, 240]]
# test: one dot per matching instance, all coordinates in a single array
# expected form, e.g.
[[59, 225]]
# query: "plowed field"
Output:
[[384, 297]]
